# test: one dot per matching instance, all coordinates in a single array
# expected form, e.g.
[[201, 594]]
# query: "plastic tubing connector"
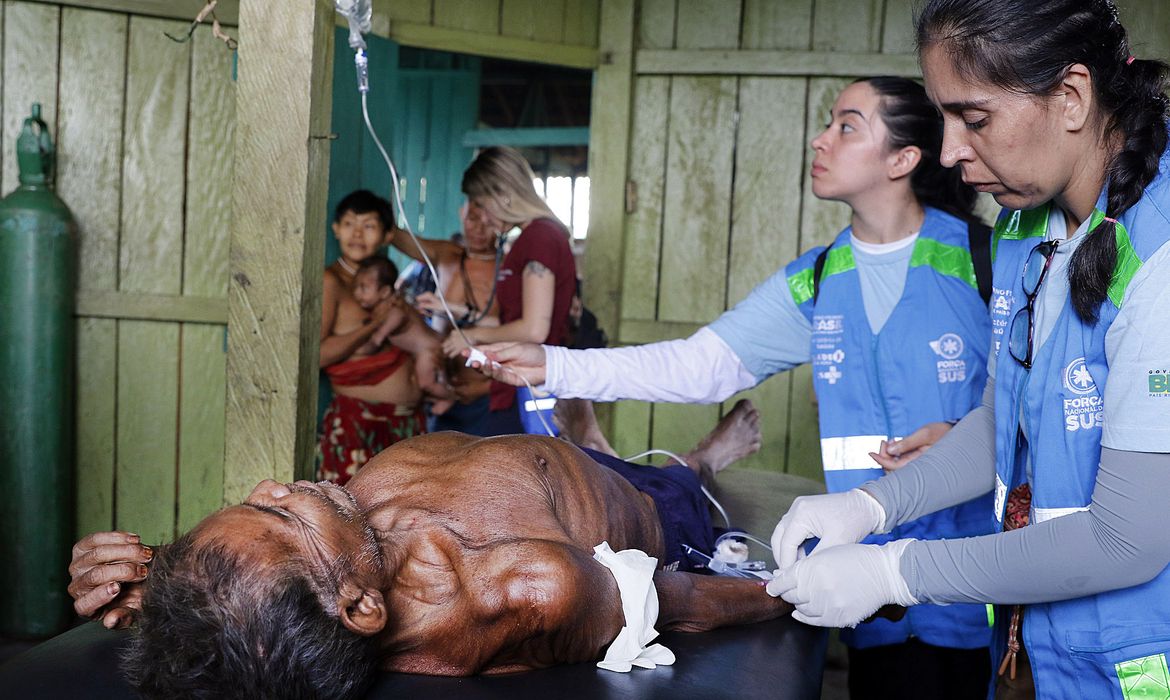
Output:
[[362, 64]]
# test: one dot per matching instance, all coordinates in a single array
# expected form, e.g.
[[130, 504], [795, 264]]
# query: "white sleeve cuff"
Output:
[[699, 369]]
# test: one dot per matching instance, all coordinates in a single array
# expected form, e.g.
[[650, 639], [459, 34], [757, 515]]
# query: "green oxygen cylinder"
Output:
[[37, 249]]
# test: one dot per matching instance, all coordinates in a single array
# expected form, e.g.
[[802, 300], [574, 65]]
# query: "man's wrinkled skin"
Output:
[[461, 555]]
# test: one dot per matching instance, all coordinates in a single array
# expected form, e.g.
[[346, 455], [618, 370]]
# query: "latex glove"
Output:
[[845, 585], [836, 518]]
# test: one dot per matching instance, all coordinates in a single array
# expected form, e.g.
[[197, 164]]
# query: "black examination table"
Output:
[[780, 659]]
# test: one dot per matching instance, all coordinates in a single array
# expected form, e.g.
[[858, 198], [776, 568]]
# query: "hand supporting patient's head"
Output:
[[275, 598]]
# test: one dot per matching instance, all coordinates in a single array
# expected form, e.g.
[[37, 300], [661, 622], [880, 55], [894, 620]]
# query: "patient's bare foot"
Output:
[[736, 436], [578, 424]]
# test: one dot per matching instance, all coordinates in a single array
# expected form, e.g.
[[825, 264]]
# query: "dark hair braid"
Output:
[[1027, 46]]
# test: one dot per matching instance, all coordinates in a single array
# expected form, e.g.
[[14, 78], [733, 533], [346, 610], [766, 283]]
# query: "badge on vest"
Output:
[[1001, 308], [1086, 410], [1160, 383], [949, 347], [828, 332]]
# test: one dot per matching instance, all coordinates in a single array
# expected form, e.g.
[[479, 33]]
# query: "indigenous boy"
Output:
[[376, 398]]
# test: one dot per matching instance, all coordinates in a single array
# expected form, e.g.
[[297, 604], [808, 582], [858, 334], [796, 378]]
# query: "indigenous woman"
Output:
[[538, 276]]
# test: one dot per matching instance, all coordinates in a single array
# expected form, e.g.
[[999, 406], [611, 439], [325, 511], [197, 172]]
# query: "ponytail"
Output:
[[912, 120]]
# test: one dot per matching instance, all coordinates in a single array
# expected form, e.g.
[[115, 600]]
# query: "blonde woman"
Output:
[[537, 278]]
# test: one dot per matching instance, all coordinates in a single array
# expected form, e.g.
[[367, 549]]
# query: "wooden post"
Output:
[[608, 156], [609, 148], [284, 96]]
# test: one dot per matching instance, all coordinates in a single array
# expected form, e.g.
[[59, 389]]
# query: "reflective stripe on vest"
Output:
[[1041, 515], [1147, 677], [1000, 498]]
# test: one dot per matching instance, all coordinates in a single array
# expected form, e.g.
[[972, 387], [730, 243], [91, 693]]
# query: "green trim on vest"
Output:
[[1128, 262], [1147, 677], [838, 260], [801, 286], [947, 260], [1019, 225]]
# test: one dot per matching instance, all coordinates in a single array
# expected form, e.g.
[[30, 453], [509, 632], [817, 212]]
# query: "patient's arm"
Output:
[[107, 571], [564, 606], [693, 603]]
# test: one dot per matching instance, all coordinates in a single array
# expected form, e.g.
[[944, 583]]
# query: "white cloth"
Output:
[[634, 572], [699, 369]]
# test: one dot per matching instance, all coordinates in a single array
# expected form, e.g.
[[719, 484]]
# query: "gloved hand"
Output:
[[836, 518], [842, 586]]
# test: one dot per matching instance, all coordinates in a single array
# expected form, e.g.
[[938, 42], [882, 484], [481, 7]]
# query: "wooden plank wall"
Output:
[[717, 166], [144, 130], [547, 31], [717, 162]]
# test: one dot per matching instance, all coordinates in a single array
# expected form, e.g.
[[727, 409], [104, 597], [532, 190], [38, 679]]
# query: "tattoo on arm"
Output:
[[536, 268]]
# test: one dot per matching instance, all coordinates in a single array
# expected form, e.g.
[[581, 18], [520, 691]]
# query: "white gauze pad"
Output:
[[634, 572]]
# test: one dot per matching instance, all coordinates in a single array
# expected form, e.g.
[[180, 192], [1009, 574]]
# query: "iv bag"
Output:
[[358, 13]]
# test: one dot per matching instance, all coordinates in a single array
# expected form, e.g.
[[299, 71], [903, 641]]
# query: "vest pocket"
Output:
[[1133, 658]]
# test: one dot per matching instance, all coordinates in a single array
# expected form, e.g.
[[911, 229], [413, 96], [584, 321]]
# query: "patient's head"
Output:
[[278, 597]]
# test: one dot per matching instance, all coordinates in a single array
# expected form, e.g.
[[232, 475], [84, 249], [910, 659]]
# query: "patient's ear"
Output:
[[362, 610]]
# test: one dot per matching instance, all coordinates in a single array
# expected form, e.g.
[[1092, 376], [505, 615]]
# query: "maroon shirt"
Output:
[[546, 241]]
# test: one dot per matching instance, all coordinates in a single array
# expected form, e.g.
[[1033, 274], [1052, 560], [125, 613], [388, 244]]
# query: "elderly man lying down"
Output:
[[444, 555]]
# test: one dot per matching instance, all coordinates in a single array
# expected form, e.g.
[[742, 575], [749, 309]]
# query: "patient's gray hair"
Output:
[[212, 626]]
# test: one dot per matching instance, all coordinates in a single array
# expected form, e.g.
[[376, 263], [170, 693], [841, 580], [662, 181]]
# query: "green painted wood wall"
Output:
[[546, 31], [702, 115], [144, 129]]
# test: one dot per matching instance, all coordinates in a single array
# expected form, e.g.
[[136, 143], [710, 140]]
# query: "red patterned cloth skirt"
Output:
[[353, 431]]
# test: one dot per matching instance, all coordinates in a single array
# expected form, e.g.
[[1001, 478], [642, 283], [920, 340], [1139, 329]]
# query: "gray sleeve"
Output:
[[961, 466], [1120, 541]]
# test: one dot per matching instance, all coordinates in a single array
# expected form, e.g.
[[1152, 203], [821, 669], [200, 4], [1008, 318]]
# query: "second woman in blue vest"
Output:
[[891, 318]]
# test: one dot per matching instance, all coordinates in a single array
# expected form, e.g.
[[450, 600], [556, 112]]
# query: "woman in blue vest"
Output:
[[1046, 108], [891, 318]]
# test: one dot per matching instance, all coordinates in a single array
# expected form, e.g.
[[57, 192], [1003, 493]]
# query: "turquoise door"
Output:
[[420, 104]]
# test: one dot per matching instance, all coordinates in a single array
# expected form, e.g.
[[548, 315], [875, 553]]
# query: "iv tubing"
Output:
[[364, 87], [680, 460]]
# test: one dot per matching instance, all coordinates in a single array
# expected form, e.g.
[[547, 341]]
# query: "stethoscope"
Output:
[[465, 322]]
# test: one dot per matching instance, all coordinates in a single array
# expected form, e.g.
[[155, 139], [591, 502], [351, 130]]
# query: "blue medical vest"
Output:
[[928, 363], [1113, 644]]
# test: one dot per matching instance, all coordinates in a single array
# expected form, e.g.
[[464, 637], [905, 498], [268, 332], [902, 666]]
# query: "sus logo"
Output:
[[949, 346]]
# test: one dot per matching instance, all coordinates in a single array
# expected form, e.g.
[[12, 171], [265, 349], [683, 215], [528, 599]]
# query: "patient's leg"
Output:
[[578, 424], [734, 437]]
